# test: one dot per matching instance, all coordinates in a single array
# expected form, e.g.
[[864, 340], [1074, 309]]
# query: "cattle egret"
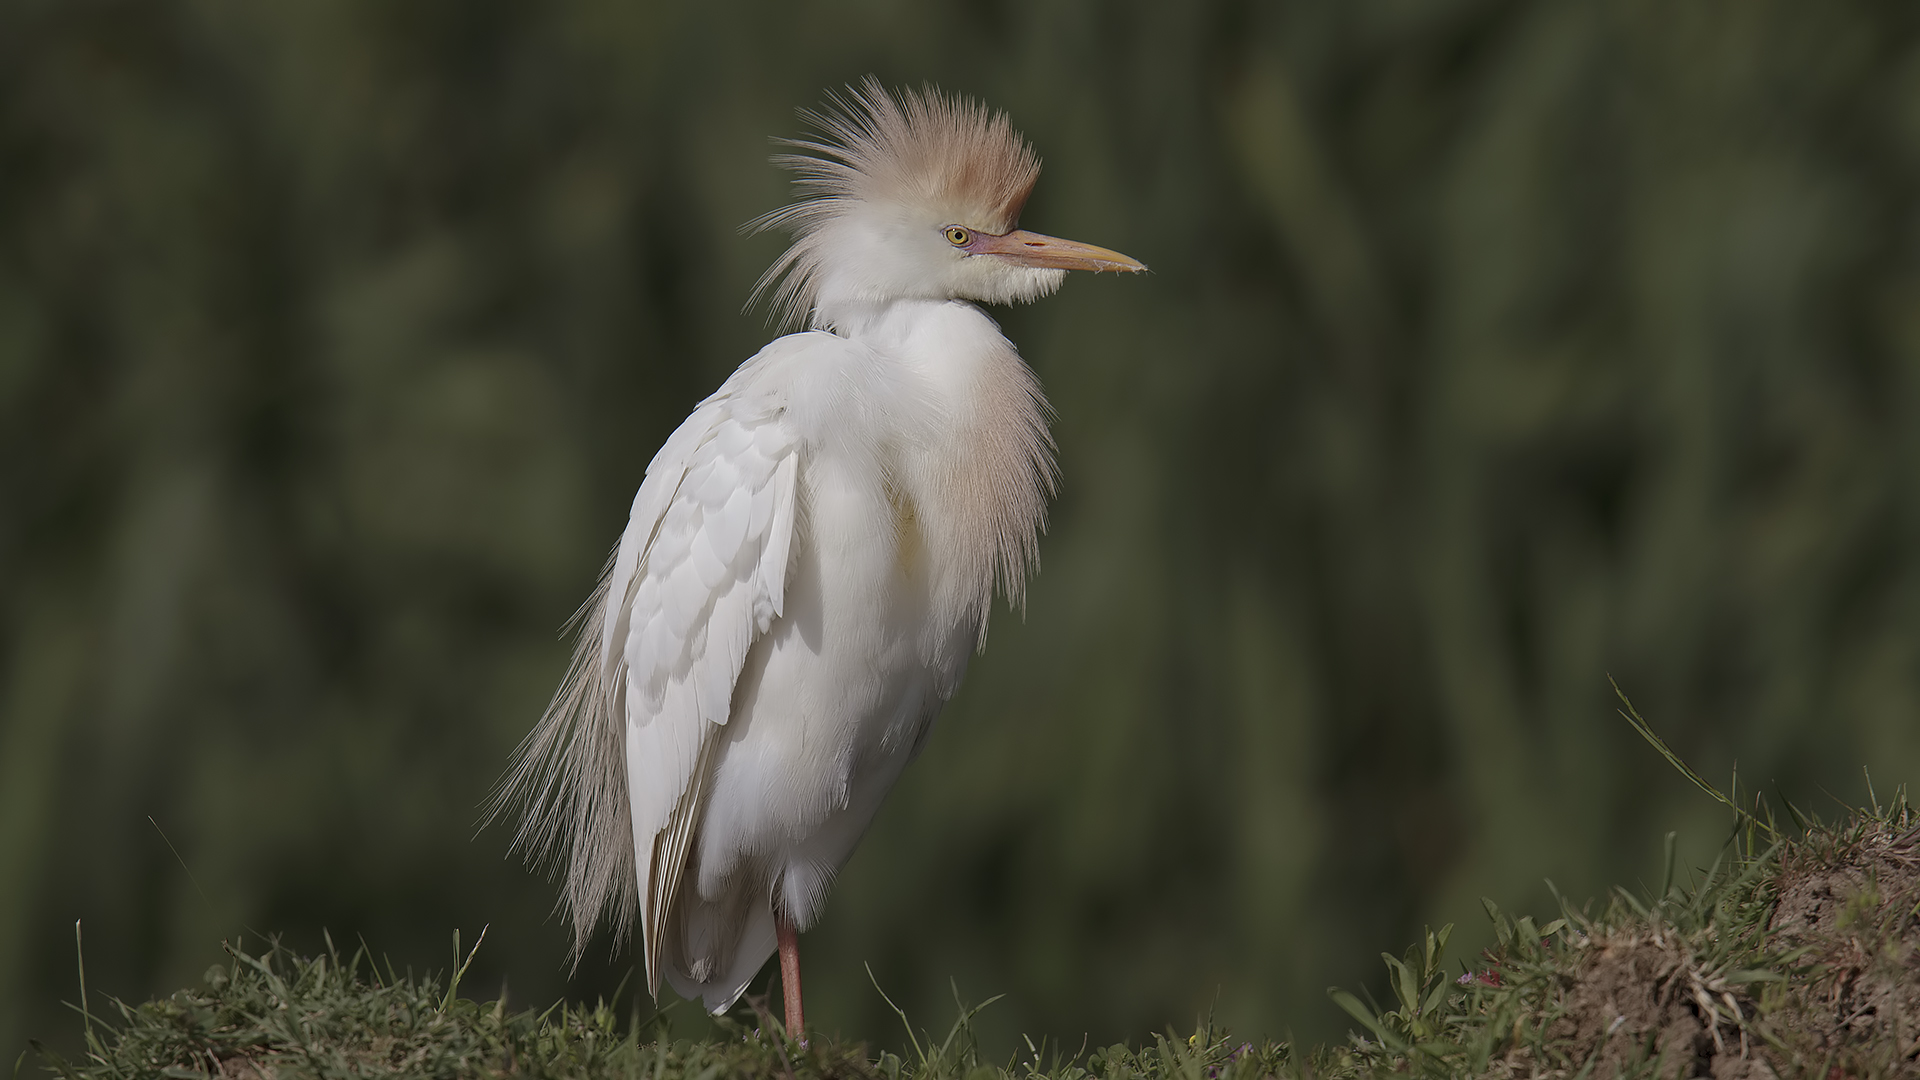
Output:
[[811, 556]]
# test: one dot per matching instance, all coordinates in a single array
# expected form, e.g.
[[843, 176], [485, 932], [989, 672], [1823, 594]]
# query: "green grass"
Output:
[[1797, 953], [276, 1013]]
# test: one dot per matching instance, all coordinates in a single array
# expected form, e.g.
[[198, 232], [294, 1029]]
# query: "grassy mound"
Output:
[[1796, 954], [1798, 958]]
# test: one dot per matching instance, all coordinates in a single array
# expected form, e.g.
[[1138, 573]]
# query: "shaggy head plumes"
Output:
[[877, 189]]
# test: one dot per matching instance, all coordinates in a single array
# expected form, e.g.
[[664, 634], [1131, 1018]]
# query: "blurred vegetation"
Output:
[[1492, 347]]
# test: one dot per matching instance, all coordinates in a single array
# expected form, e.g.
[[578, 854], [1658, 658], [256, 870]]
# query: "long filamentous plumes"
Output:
[[569, 783], [923, 148]]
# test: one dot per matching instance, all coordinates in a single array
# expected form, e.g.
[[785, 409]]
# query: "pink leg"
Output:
[[790, 976]]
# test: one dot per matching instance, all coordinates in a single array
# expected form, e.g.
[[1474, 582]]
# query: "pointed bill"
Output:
[[1051, 252]]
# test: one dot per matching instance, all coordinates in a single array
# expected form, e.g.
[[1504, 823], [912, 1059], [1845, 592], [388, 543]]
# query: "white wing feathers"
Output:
[[612, 775], [700, 574]]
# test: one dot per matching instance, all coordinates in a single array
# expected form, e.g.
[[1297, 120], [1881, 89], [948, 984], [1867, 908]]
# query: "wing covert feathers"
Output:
[[713, 580], [609, 783]]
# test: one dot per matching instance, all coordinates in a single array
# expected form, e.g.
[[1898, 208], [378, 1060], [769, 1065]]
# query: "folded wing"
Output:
[[610, 780], [711, 581]]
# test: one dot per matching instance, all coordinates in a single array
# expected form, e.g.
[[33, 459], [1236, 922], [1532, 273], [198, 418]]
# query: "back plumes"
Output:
[[887, 168]]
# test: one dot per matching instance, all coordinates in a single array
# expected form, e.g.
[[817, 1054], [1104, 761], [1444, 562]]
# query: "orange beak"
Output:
[[1051, 252]]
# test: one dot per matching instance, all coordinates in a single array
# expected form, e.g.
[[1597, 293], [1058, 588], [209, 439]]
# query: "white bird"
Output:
[[811, 557]]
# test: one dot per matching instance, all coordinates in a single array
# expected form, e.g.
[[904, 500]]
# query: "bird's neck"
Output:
[[951, 349], [863, 319]]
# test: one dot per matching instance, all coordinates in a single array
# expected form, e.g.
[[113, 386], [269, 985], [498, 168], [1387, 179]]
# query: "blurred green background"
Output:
[[1492, 347]]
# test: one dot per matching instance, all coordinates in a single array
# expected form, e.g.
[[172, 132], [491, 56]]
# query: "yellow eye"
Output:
[[958, 236]]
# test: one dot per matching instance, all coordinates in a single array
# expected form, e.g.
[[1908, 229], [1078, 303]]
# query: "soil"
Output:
[[1641, 1005], [1857, 910]]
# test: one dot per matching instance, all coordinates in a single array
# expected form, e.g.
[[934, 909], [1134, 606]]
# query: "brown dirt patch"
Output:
[[1845, 913], [1855, 908], [1641, 1004]]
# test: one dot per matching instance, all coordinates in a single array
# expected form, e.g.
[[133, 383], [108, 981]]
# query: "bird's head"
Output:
[[913, 197]]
